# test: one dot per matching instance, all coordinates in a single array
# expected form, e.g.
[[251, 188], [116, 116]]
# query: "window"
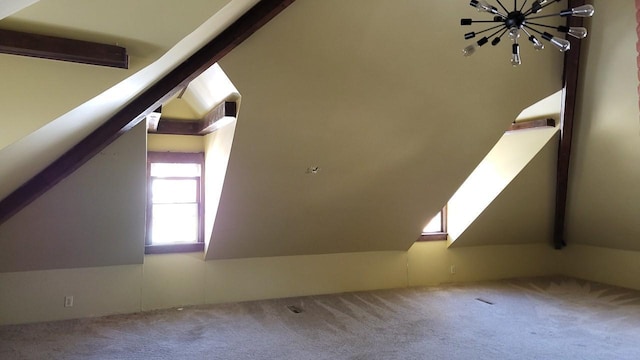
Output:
[[174, 202], [436, 229]]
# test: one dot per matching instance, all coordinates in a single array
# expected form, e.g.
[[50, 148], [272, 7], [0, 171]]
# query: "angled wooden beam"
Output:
[[208, 124], [169, 126], [532, 124], [57, 48], [136, 110], [570, 82]]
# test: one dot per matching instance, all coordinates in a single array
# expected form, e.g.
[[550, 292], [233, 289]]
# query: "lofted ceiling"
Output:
[[378, 96], [375, 93]]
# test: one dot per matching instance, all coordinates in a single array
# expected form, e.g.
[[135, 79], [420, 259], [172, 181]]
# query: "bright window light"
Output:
[[174, 202], [174, 223], [174, 191], [435, 225]]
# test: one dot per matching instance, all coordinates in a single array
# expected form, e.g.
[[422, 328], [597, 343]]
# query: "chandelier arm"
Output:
[[523, 5], [532, 29], [502, 6], [534, 40], [489, 29], [526, 32], [503, 32], [543, 25], [504, 16], [486, 21], [544, 16], [494, 34], [530, 11]]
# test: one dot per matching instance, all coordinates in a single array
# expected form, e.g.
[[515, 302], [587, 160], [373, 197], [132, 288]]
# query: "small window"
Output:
[[436, 229], [174, 202]]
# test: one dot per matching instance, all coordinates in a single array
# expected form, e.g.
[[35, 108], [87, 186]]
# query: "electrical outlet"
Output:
[[453, 269], [68, 301]]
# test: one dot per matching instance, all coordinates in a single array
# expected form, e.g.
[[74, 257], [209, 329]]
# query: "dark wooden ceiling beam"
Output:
[[136, 110], [567, 121], [208, 124], [57, 48], [532, 124], [169, 126]]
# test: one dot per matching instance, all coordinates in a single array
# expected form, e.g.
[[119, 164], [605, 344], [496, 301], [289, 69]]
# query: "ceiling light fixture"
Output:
[[520, 21]]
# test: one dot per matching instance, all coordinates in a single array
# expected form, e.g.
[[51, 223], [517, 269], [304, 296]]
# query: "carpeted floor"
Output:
[[547, 318]]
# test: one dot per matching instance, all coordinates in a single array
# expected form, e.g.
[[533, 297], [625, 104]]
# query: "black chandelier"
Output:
[[520, 20]]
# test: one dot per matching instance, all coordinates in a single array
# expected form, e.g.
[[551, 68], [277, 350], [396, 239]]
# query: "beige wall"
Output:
[[604, 196], [33, 296], [217, 150], [603, 231], [430, 262], [177, 143], [610, 266], [185, 279], [94, 217]]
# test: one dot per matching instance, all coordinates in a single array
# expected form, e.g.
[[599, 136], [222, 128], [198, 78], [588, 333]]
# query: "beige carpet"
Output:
[[550, 318]]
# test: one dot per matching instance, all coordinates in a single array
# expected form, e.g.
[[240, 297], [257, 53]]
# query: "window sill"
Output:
[[436, 236], [173, 248]]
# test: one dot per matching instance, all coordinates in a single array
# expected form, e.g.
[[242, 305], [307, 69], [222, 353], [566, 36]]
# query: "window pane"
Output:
[[174, 191], [174, 223], [174, 169], [435, 225]]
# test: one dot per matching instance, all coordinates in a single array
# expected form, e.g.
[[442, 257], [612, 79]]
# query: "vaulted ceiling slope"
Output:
[[374, 93], [377, 95], [52, 105]]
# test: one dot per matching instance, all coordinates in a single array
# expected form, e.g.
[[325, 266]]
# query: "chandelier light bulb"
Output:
[[583, 11], [482, 5], [469, 50], [515, 56], [562, 44], [578, 32], [536, 43], [537, 6], [514, 34]]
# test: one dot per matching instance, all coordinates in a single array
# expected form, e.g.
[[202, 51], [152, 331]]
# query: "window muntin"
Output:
[[164, 169]]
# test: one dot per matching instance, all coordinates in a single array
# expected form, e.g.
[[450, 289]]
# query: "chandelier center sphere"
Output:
[[515, 19]]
